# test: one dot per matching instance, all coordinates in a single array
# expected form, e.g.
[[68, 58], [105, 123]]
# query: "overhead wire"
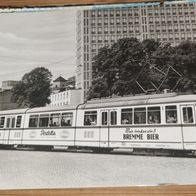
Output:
[[40, 64]]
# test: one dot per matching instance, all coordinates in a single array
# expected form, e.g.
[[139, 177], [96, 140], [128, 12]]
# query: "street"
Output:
[[59, 169]]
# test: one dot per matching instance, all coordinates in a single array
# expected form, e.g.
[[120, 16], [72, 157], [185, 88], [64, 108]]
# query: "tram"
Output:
[[157, 122]]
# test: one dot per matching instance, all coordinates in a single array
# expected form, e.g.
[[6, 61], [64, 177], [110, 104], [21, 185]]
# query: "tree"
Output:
[[34, 88], [115, 68], [184, 60], [130, 63]]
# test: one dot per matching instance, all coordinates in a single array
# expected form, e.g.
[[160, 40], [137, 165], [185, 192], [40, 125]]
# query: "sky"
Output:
[[33, 39]]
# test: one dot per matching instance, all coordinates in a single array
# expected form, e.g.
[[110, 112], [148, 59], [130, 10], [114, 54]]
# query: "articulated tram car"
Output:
[[164, 121]]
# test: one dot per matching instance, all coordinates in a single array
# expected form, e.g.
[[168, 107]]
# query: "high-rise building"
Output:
[[172, 22]]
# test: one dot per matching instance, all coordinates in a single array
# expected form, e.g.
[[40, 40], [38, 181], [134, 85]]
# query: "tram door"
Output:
[[104, 130], [2, 129], [188, 126], [108, 120], [10, 123]]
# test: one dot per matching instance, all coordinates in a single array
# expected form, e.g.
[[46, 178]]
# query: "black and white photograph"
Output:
[[98, 96]]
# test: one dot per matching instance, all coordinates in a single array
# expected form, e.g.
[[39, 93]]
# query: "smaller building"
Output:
[[5, 100], [68, 97], [6, 95], [59, 83], [8, 84]]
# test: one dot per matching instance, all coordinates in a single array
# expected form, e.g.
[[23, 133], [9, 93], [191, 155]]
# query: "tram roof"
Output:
[[140, 100], [14, 111], [38, 109], [51, 108]]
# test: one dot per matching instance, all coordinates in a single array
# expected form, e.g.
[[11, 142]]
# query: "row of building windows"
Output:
[[86, 75], [135, 10], [59, 96], [105, 36], [62, 103], [128, 22], [167, 12], [126, 29], [86, 84], [165, 32]]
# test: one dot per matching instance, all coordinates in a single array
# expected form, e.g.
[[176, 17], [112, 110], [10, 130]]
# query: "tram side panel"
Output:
[[159, 135], [11, 131], [61, 135], [2, 130], [14, 129], [87, 129], [146, 137]]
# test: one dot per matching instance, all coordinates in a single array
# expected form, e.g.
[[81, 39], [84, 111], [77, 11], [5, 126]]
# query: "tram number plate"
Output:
[[88, 134], [17, 134]]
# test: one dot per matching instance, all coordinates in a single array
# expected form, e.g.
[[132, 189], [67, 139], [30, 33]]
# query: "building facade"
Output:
[[6, 95], [68, 97], [8, 84], [172, 22], [59, 83]]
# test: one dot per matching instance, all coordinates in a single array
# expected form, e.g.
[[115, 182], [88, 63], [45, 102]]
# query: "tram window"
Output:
[[54, 120], [13, 122], [171, 114], [66, 119], [126, 116], [90, 118], [187, 115], [140, 116], [8, 123], [33, 121], [113, 115], [2, 121], [104, 118], [43, 120], [154, 115], [18, 121]]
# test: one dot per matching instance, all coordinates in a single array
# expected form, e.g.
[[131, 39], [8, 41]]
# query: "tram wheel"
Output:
[[43, 148], [102, 150]]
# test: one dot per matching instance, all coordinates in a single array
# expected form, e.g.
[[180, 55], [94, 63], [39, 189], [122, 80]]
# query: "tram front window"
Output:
[[2, 121], [44, 120], [18, 121], [154, 115], [8, 122], [90, 118], [104, 118], [171, 114], [67, 119], [55, 120], [113, 117], [187, 115], [13, 122], [33, 120], [140, 116], [126, 116]]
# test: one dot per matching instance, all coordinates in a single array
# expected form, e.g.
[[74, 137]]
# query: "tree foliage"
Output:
[[117, 68], [34, 88]]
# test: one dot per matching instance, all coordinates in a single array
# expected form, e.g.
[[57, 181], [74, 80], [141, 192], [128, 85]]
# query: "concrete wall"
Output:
[[5, 100]]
